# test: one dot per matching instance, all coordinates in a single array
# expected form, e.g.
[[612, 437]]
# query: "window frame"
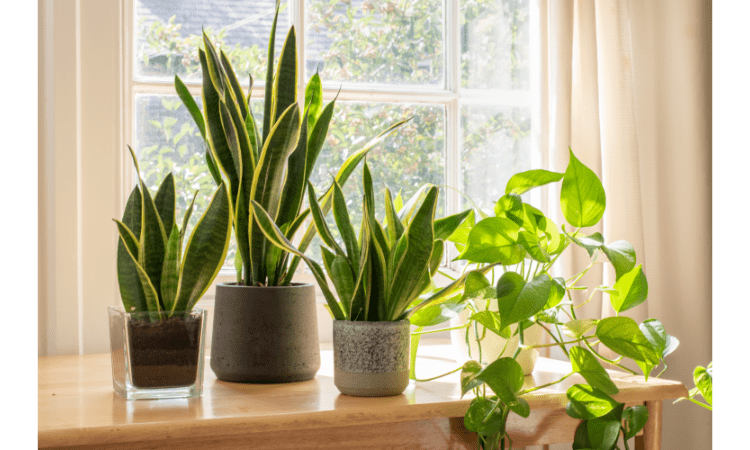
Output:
[[451, 96]]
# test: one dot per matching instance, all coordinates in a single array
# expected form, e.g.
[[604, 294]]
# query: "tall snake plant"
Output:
[[271, 168], [380, 275], [152, 272]]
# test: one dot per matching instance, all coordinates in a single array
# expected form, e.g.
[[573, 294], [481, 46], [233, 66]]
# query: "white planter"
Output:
[[492, 344]]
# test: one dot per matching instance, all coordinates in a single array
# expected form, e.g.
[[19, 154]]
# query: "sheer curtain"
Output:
[[627, 85]]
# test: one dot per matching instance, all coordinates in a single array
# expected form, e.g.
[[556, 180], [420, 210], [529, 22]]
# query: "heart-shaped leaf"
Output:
[[530, 299], [589, 243], [505, 377], [588, 402], [494, 240], [556, 293], [636, 418], [603, 434], [703, 378], [585, 363], [469, 373], [483, 417], [582, 197], [632, 290], [623, 336]]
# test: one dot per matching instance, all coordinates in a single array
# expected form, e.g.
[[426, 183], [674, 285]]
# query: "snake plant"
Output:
[[272, 167], [380, 275], [152, 272]]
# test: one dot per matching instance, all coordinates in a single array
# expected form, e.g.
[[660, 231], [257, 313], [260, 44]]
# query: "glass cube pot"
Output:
[[157, 355]]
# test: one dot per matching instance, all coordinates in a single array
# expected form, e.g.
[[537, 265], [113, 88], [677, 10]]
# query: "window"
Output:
[[459, 67]]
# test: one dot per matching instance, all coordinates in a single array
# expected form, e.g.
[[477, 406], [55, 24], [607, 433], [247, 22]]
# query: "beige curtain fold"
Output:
[[627, 87]]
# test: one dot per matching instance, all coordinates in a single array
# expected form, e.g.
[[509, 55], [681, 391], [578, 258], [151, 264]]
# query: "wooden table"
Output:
[[78, 409]]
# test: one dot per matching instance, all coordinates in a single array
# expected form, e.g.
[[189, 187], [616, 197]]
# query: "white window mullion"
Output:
[[452, 113], [298, 18]]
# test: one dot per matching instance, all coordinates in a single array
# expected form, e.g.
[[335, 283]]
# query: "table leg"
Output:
[[651, 439]]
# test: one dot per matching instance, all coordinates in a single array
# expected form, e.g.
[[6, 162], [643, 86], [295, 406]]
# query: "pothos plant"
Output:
[[380, 275], [523, 245], [703, 377], [153, 273], [272, 165]]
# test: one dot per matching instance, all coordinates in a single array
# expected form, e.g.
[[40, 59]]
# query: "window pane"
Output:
[[495, 44], [411, 156], [373, 41], [167, 139], [496, 144], [168, 35]]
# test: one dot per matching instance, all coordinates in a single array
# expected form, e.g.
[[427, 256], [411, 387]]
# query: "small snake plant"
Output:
[[152, 272], [380, 275]]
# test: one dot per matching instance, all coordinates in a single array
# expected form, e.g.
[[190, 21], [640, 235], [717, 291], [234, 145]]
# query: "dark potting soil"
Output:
[[164, 354]]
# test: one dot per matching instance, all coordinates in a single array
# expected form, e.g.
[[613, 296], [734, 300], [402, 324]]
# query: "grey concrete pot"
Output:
[[371, 359], [265, 334]]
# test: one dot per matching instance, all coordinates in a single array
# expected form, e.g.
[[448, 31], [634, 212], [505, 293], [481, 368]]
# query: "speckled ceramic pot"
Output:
[[265, 334], [371, 359]]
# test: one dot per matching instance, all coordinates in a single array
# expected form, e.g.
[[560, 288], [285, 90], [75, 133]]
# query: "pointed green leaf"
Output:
[[153, 239], [131, 292], [582, 197], [316, 136], [276, 237], [234, 85], [149, 292], [267, 179], [344, 224], [320, 222], [446, 226], [295, 182], [220, 152], [393, 226], [313, 100], [285, 79], [342, 176], [170, 273], [268, 118], [253, 134], [186, 218], [419, 244], [190, 104], [212, 168], [631, 290], [524, 181], [376, 308], [343, 279], [213, 66], [233, 142], [205, 251], [585, 363]]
